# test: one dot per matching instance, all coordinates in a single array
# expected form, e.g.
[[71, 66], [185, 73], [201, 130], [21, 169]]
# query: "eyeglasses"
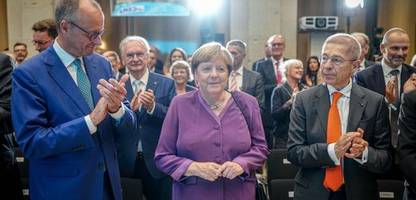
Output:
[[132, 55], [91, 35], [40, 43], [337, 60], [276, 45]]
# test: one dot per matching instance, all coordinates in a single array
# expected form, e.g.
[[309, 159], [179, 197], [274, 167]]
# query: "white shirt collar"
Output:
[[387, 69], [64, 56], [144, 78], [346, 91], [239, 70], [275, 61]]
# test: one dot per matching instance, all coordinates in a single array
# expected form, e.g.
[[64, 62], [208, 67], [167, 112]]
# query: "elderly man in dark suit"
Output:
[[407, 138], [242, 78], [388, 77], [150, 94], [9, 173], [338, 135]]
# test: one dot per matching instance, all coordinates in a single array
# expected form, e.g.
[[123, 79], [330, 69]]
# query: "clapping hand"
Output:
[[358, 145], [113, 91], [410, 84], [100, 112], [135, 101], [391, 93]]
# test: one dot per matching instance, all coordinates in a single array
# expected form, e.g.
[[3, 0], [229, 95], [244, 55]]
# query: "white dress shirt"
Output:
[[238, 77]]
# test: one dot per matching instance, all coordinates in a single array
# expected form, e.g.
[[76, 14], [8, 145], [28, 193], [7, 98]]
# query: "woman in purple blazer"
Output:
[[212, 141]]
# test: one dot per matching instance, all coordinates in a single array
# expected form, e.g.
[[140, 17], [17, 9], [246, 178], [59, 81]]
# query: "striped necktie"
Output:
[[83, 83]]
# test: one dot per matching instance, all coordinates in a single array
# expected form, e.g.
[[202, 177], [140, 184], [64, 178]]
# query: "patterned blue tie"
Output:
[[83, 82]]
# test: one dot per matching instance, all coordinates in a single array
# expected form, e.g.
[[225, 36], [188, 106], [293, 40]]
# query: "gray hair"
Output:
[[362, 35], [386, 36], [67, 9], [134, 38], [292, 62], [181, 64], [238, 43], [354, 47]]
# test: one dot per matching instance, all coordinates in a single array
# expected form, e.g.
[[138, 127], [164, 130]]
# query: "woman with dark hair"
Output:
[[174, 55], [312, 75]]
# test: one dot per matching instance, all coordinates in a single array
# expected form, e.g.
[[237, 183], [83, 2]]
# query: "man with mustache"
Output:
[[388, 77]]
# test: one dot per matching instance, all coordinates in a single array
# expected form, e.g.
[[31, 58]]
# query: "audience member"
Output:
[[174, 55], [20, 52], [243, 79], [61, 102], [150, 96], [282, 98], [338, 132], [212, 141], [115, 61], [267, 55], [155, 65], [181, 73], [388, 77], [44, 34], [365, 47], [312, 75]]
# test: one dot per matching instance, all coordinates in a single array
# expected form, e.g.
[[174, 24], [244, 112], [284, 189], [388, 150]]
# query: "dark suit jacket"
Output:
[[266, 70], [373, 78], [253, 84], [407, 139], [149, 126], [48, 110], [368, 63], [9, 176], [256, 63], [307, 146]]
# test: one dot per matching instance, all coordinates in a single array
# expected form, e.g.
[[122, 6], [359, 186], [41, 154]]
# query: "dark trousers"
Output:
[[108, 190], [153, 188], [338, 195]]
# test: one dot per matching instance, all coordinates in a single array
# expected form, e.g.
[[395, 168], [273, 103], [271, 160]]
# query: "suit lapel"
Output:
[[380, 85], [404, 76], [129, 89], [63, 79], [269, 69], [357, 106], [321, 104], [246, 79]]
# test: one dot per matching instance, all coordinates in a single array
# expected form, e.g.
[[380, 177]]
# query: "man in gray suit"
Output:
[[338, 132], [242, 78]]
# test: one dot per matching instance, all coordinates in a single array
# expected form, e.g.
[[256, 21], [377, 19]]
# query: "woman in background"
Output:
[[312, 75], [174, 55], [212, 141], [180, 72]]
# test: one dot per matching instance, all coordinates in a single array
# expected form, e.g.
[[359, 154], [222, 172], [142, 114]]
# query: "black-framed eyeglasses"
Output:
[[337, 60], [91, 35], [41, 43]]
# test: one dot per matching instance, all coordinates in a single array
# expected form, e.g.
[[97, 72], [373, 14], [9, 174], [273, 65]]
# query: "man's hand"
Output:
[[410, 84], [113, 91], [391, 93], [147, 98], [358, 145], [344, 143], [206, 170], [135, 101], [100, 112], [231, 170]]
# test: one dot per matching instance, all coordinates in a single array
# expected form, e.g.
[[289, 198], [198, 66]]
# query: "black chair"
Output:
[[25, 188], [131, 188], [281, 189], [390, 189], [278, 167]]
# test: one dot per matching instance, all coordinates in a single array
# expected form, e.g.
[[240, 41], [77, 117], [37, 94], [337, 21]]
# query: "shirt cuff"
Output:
[[91, 127], [153, 109], [119, 114], [364, 157], [332, 154]]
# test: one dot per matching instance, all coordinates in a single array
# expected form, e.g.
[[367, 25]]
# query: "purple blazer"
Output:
[[192, 132]]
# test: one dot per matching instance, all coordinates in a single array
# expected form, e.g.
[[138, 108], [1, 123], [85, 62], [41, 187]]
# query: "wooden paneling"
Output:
[[3, 25]]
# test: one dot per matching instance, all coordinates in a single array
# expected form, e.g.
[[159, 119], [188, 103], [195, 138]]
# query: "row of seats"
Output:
[[281, 174]]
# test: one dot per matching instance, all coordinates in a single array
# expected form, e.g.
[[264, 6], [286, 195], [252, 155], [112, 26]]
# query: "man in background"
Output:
[[44, 34], [115, 61], [19, 52]]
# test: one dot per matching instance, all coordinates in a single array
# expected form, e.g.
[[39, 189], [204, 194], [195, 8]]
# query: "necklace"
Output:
[[215, 106]]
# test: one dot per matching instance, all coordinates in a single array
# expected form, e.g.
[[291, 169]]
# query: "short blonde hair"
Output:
[[209, 51], [180, 64], [292, 62]]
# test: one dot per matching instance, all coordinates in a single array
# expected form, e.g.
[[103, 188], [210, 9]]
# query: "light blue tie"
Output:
[[83, 82]]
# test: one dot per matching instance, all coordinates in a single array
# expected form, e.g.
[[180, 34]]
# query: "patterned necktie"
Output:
[[279, 75], [333, 176], [137, 86], [83, 82], [233, 81], [394, 114]]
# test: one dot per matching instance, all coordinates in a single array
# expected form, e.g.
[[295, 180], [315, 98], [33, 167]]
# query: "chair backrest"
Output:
[[131, 188], [282, 189], [390, 189], [278, 167]]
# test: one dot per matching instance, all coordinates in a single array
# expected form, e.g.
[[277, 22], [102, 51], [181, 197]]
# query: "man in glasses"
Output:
[[44, 34], [338, 132], [67, 109]]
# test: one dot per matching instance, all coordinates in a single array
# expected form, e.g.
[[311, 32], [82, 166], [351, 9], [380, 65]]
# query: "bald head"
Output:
[[395, 47]]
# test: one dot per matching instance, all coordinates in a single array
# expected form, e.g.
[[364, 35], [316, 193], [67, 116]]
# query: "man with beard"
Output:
[[19, 52], [388, 77]]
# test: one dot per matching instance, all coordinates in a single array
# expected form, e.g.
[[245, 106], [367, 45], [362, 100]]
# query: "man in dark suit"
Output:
[[150, 95], [267, 55], [115, 61], [365, 47], [242, 78], [66, 114], [155, 65], [407, 141], [9, 174], [272, 71], [388, 77], [337, 134]]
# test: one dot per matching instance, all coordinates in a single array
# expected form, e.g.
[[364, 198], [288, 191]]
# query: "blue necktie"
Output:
[[83, 82]]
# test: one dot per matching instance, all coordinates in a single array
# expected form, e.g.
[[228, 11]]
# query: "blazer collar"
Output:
[[357, 106], [321, 104]]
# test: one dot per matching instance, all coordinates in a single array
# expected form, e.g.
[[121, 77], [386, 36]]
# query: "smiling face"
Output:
[[295, 71], [180, 75], [395, 49], [212, 76], [135, 56]]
